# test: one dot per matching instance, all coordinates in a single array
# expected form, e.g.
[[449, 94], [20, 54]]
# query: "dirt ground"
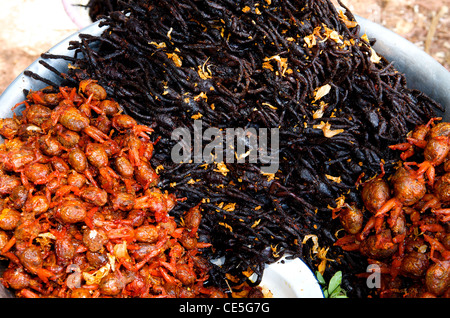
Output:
[[426, 23], [27, 29], [30, 27]]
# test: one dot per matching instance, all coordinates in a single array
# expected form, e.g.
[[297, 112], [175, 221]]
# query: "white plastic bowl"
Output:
[[290, 279]]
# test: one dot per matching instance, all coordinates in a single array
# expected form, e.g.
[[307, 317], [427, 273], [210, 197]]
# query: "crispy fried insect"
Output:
[[80, 212]]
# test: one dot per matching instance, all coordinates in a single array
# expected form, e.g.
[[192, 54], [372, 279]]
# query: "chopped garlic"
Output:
[[335, 179], [321, 91], [96, 277], [374, 57]]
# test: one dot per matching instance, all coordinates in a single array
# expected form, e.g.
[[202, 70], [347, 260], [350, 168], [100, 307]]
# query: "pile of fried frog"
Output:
[[407, 233]]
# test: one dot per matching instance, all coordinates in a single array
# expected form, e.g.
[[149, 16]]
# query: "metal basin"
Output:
[[422, 71]]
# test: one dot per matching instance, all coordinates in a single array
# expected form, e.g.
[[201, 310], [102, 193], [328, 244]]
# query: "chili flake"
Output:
[[222, 168], [327, 131], [349, 24], [229, 207], [197, 116], [226, 226], [335, 179], [160, 45], [175, 58], [281, 61]]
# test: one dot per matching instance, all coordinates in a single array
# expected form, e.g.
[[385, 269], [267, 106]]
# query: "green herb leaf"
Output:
[[335, 292], [320, 278], [335, 281], [333, 289]]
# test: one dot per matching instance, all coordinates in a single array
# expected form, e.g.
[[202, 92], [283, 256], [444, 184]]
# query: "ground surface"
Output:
[[30, 27], [425, 23]]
